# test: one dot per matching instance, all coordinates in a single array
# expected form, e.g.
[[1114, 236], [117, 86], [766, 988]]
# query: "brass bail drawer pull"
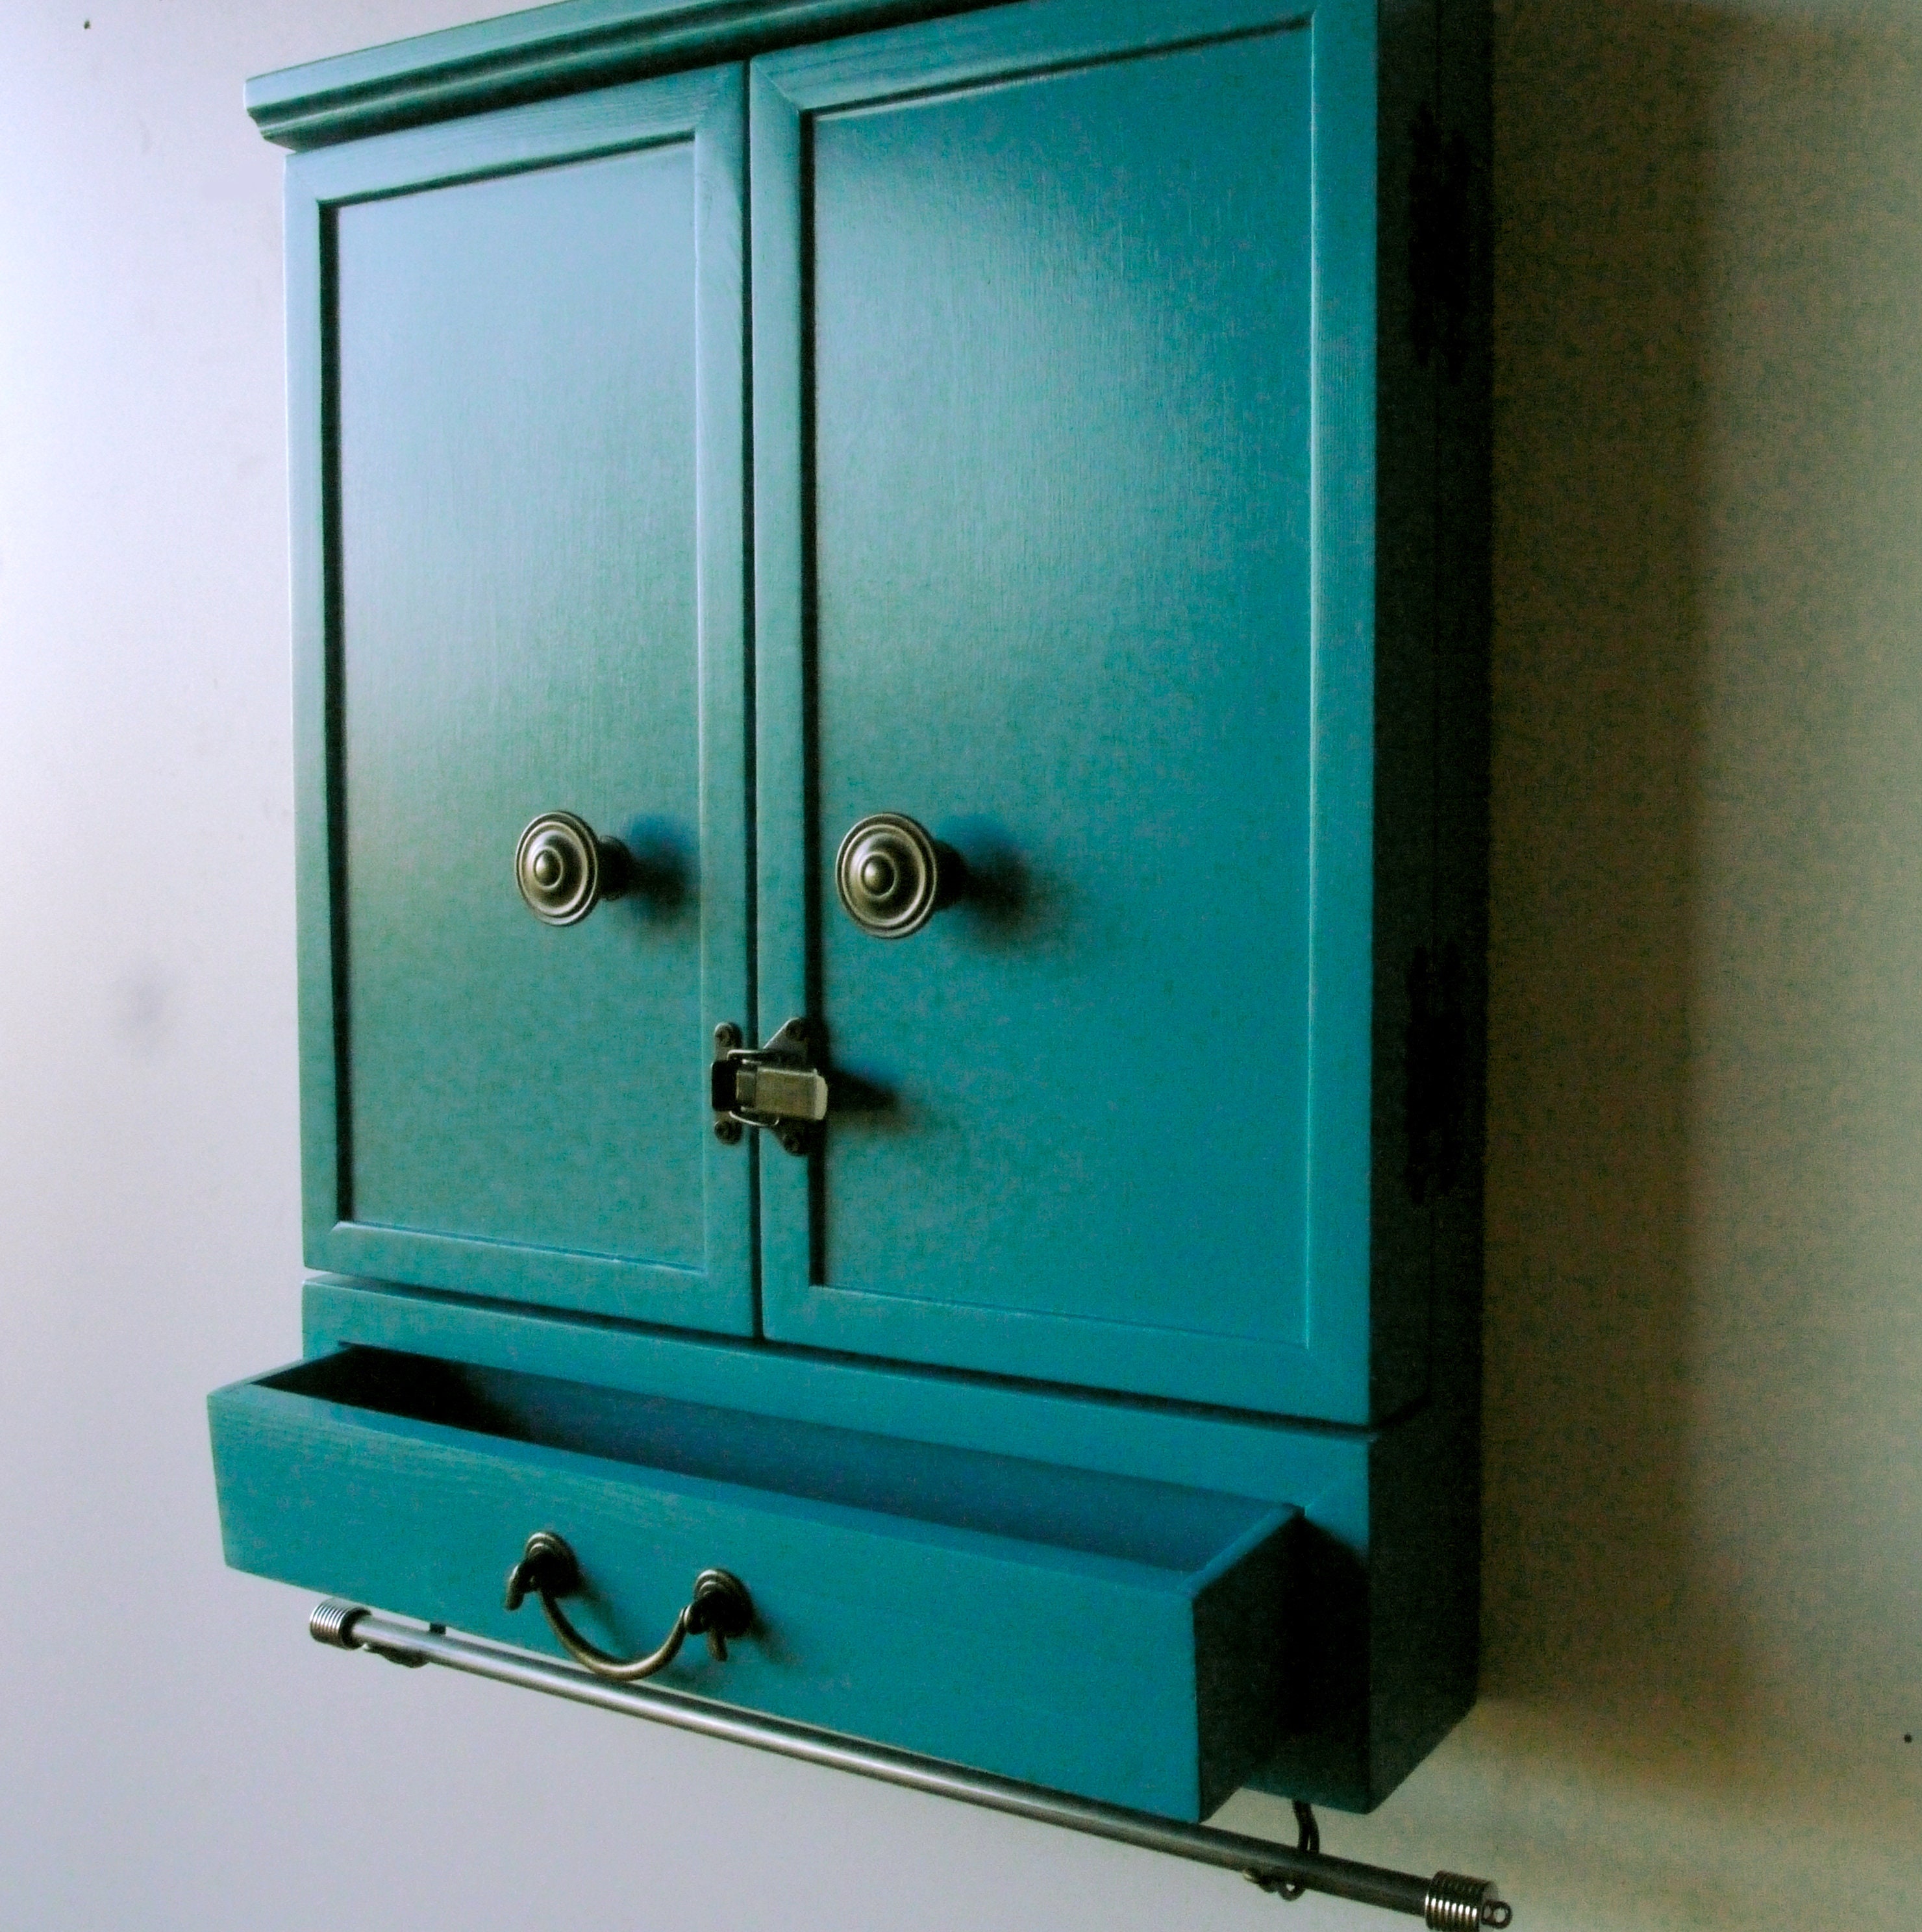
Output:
[[720, 1608]]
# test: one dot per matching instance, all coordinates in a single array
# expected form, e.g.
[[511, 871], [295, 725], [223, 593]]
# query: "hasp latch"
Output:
[[775, 1086]]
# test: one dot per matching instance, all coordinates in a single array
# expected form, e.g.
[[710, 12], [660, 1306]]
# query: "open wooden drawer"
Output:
[[1119, 1639]]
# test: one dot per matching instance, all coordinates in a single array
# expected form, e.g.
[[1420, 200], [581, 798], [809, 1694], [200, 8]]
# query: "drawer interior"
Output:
[[1162, 1525], [1119, 1638]]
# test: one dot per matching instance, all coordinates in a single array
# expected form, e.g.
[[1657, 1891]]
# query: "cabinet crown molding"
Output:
[[532, 56]]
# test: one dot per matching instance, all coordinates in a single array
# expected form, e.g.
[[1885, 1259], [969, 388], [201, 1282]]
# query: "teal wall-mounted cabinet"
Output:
[[1060, 424]]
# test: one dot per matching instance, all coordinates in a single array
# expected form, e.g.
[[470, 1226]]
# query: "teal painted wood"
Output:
[[1077, 1619], [1380, 1652], [518, 395], [1244, 1455], [1450, 1596], [548, 50], [1336, 1748], [1381, 1649], [1403, 854], [1063, 523]]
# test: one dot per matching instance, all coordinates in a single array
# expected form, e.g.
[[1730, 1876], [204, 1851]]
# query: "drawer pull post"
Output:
[[1308, 1840], [719, 1608]]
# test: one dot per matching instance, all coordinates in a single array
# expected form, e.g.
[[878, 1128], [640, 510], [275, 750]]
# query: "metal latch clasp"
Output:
[[775, 1086]]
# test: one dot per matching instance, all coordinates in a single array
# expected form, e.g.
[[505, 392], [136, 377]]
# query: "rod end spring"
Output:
[[332, 1623], [1458, 1904]]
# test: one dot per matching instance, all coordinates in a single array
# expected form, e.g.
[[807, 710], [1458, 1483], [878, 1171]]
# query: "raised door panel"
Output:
[[1039, 322], [529, 598]]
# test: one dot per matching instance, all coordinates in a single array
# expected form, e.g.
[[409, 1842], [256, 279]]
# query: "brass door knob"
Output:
[[893, 878], [565, 869]]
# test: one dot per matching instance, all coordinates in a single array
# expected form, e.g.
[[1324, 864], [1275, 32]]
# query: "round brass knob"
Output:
[[893, 878], [565, 869]]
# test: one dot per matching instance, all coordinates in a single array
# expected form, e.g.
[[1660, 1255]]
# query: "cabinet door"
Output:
[[518, 407], [1063, 330]]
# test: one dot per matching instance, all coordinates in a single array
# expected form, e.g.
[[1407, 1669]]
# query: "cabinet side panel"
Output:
[[1424, 1549], [1464, 415], [1462, 880], [1408, 992], [1422, 1575]]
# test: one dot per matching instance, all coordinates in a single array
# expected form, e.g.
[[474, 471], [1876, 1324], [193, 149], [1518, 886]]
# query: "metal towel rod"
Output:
[[1447, 1902]]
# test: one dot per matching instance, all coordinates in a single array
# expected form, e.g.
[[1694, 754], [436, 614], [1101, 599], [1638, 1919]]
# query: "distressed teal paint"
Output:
[[1104, 512], [1085, 1625], [519, 585], [555, 49], [1070, 454], [1366, 1687], [1246, 1455], [518, 547]]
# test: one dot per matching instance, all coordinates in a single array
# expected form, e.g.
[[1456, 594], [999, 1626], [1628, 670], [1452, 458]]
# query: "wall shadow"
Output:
[[1687, 199], [1602, 202]]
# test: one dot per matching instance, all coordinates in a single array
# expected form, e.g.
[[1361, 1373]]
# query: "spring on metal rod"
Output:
[[1458, 1904], [1450, 1903], [332, 1623], [1446, 1902]]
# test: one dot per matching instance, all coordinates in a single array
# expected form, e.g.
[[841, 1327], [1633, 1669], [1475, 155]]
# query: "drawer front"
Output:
[[520, 591], [1113, 1638], [1050, 560]]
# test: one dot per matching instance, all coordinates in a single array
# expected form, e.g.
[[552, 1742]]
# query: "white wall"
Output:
[[1704, 1595]]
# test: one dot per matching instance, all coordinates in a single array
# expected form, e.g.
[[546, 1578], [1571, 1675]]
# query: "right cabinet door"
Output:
[[1062, 518]]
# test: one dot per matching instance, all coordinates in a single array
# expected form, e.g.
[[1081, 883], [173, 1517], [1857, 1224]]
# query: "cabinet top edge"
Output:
[[547, 50]]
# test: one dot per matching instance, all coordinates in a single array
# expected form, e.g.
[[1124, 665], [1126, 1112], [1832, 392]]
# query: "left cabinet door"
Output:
[[518, 462]]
